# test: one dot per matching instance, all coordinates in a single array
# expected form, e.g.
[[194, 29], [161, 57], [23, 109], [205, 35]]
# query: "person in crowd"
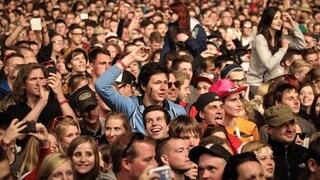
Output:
[[299, 69], [306, 96], [264, 154], [125, 84], [133, 154], [242, 128], [269, 47], [84, 154], [243, 166], [173, 152], [152, 77], [311, 55], [212, 156], [54, 166], [156, 121], [85, 104], [66, 129], [5, 172], [183, 32], [76, 61], [116, 125], [311, 171], [183, 90], [281, 128]]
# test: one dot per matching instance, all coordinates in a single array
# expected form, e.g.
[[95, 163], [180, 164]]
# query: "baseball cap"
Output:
[[213, 149], [206, 77], [225, 72], [125, 78], [278, 115], [205, 99], [225, 87], [83, 98]]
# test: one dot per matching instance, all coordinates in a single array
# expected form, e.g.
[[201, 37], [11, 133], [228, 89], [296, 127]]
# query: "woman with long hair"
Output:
[[84, 154], [270, 45], [184, 32]]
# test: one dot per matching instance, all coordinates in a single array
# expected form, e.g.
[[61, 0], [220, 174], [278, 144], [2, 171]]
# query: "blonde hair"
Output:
[[29, 156], [60, 131], [297, 65], [50, 163], [254, 146], [181, 77]]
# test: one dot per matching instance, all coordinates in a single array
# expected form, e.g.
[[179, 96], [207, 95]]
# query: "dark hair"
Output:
[[313, 153], [149, 70], [155, 108], [280, 90], [163, 147], [264, 25], [181, 59], [74, 53], [230, 170], [94, 51], [73, 146]]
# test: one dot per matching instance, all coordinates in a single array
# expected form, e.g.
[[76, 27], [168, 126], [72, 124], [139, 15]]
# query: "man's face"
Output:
[[61, 29], [91, 115], [89, 31], [211, 69], [313, 59], [11, 64], [203, 87], [76, 36], [232, 105], [238, 78], [148, 30], [145, 157], [192, 139], [178, 158], [57, 43], [156, 88], [162, 29], [250, 170], [291, 99], [101, 64], [172, 93], [210, 167], [213, 112], [33, 82], [78, 63], [226, 19], [156, 125], [285, 133], [187, 68], [5, 172], [184, 91]]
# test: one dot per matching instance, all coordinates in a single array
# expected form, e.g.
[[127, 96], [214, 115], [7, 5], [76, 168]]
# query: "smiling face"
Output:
[[306, 96], [156, 125], [265, 157], [83, 158], [78, 64], [284, 133]]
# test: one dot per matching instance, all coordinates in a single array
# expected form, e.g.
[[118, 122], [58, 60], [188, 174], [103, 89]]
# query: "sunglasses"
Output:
[[176, 84], [136, 136], [59, 119], [302, 136]]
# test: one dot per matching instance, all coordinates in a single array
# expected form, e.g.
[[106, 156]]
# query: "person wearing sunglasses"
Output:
[[281, 128], [153, 81], [132, 154], [301, 138]]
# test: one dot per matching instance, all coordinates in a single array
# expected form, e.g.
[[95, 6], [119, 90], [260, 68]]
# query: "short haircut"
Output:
[[181, 59], [181, 77], [94, 51], [163, 147], [308, 51], [184, 123], [280, 90], [149, 70], [156, 108]]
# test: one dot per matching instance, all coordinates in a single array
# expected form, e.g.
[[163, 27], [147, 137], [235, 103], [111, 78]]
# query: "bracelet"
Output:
[[122, 64], [63, 102]]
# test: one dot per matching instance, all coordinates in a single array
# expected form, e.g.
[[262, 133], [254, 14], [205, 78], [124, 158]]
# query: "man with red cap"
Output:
[[244, 129]]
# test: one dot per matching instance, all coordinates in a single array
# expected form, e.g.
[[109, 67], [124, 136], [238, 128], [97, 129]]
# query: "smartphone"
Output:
[[52, 69], [35, 24], [84, 16], [163, 171], [31, 127]]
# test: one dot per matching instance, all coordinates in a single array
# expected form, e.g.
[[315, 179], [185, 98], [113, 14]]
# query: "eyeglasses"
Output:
[[176, 84], [136, 136], [247, 26], [302, 136], [59, 42], [238, 81], [58, 120]]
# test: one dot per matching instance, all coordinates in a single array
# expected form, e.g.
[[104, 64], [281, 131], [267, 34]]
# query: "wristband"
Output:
[[122, 64], [63, 102]]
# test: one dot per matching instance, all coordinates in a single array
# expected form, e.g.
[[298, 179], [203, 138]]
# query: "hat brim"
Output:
[[84, 105], [233, 91], [198, 151], [198, 79]]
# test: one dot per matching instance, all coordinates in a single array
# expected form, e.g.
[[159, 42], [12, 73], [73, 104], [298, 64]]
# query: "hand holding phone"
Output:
[[163, 171], [36, 24], [31, 127]]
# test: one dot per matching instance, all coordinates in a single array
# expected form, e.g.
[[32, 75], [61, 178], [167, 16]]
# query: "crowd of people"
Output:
[[150, 89]]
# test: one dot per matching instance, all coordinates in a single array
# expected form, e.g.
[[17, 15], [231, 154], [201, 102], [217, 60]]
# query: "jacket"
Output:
[[195, 44], [132, 106], [290, 160]]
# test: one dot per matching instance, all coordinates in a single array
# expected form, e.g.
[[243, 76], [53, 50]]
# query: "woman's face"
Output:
[[265, 157], [173, 16], [71, 133], [64, 171], [53, 143], [306, 96], [276, 22], [83, 158], [114, 129]]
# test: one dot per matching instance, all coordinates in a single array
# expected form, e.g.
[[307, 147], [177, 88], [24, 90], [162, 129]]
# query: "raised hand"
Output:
[[141, 53], [285, 43], [13, 131], [182, 37]]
